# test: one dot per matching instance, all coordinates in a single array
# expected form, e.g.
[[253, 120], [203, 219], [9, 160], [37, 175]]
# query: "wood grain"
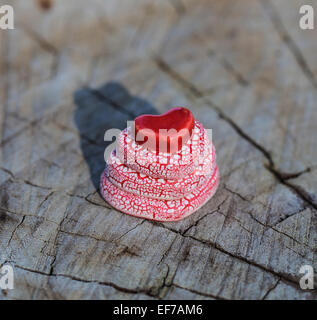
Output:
[[245, 69]]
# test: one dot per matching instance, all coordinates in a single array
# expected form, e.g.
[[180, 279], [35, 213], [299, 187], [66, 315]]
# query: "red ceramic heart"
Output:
[[167, 132]]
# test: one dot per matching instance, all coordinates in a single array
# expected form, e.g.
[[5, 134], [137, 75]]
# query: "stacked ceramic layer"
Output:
[[160, 186]]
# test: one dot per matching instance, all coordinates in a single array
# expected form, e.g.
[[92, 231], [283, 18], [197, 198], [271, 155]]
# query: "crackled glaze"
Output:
[[146, 183], [163, 165], [155, 209], [140, 184]]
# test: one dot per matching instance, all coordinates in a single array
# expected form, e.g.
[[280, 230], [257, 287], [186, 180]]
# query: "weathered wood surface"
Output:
[[71, 71]]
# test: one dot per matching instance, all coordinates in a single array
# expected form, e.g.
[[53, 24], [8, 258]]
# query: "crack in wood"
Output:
[[27, 215], [124, 234], [238, 76], [75, 278], [288, 40], [105, 205], [16, 179], [289, 175], [146, 291], [15, 229], [204, 294], [112, 103], [52, 264], [45, 199], [236, 193], [301, 192], [166, 252], [272, 226], [271, 289], [204, 216], [291, 280], [8, 172], [42, 42], [44, 118]]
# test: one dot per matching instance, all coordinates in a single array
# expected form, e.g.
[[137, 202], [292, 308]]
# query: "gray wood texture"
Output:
[[71, 70]]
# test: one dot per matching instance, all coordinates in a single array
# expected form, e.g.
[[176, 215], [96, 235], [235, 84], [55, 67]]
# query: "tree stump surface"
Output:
[[72, 70]]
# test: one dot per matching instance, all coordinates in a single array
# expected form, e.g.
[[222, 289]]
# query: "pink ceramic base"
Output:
[[145, 182], [135, 182], [159, 210]]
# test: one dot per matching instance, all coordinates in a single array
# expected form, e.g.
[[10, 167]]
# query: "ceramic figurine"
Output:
[[164, 168]]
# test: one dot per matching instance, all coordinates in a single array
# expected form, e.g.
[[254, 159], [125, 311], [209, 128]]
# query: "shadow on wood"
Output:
[[98, 110]]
